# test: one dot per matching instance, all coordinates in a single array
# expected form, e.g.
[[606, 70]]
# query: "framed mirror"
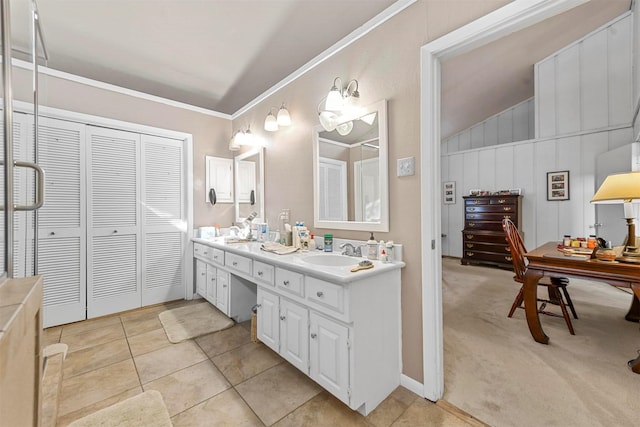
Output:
[[350, 172], [248, 170]]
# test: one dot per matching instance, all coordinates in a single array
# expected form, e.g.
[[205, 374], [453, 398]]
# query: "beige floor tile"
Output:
[[190, 386], [94, 386], [167, 360], [278, 391], [424, 413], [92, 337], [223, 341], [86, 325], [224, 409], [51, 336], [392, 407], [76, 415], [144, 324], [246, 361], [323, 410], [148, 341], [99, 356]]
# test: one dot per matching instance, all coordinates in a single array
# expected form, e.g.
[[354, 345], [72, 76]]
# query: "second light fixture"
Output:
[[274, 122]]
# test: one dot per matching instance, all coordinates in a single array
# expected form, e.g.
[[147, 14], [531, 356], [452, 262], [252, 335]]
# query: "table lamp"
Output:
[[622, 188]]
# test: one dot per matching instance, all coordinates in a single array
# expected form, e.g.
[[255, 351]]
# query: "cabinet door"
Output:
[[222, 295], [219, 176], [268, 319], [62, 221], [211, 284], [163, 217], [201, 278], [113, 221], [329, 355], [294, 329]]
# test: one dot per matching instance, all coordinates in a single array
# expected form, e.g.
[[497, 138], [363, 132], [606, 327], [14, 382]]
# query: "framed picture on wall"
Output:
[[449, 192], [558, 185]]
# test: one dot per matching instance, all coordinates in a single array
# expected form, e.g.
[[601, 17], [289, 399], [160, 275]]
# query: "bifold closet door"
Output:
[[163, 220], [62, 221], [113, 221]]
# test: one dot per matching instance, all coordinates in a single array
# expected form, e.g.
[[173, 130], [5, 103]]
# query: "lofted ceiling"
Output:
[[214, 54], [222, 54], [485, 81]]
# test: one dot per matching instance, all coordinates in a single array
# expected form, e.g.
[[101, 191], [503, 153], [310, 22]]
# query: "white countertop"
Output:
[[295, 261]]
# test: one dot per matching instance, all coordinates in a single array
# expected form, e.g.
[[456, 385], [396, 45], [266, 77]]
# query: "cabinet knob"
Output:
[[471, 209], [203, 274], [470, 245], [282, 317], [320, 294], [472, 224], [224, 286], [115, 231], [471, 216], [215, 257], [260, 273], [506, 216], [502, 201], [470, 254], [234, 263], [205, 252], [313, 336], [508, 258], [506, 208], [470, 236], [285, 282], [53, 233]]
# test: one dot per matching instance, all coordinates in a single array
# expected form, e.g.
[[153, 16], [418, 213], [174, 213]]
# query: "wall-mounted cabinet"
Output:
[[219, 180]]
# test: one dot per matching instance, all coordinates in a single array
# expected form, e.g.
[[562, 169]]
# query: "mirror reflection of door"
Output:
[[249, 175], [332, 174], [366, 189]]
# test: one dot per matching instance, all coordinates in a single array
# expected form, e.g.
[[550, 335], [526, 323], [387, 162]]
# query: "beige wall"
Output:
[[210, 134], [386, 64]]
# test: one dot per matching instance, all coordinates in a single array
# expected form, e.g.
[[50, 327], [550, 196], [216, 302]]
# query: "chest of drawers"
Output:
[[483, 241]]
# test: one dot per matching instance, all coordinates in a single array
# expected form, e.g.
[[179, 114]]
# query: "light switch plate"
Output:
[[407, 166]]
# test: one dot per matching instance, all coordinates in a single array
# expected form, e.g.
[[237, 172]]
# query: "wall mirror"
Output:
[[249, 184], [350, 172]]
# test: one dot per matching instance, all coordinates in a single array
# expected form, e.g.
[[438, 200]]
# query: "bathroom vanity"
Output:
[[341, 328]]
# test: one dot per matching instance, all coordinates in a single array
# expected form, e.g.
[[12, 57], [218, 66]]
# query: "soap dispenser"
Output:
[[373, 247]]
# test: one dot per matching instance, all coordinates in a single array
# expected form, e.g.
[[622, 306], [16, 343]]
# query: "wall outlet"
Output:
[[407, 166]]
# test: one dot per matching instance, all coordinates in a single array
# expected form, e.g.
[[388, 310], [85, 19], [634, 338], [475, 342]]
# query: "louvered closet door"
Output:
[[113, 260], [164, 220], [61, 221]]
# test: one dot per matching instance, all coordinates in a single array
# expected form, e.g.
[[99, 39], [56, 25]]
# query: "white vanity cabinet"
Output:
[[343, 330], [283, 326], [201, 278]]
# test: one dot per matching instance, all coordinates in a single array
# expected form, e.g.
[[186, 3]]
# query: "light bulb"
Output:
[[270, 123], [345, 128], [328, 120], [284, 119]]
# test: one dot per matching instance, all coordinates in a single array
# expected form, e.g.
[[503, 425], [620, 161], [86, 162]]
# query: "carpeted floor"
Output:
[[495, 371]]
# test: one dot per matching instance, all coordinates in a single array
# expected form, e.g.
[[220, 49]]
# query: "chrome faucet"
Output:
[[350, 250]]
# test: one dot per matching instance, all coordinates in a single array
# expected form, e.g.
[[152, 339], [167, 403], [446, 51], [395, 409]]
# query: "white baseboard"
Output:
[[412, 385]]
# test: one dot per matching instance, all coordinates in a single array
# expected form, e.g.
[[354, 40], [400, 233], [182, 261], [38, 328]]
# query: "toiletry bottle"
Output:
[[381, 248], [312, 242], [389, 250], [373, 247], [328, 243]]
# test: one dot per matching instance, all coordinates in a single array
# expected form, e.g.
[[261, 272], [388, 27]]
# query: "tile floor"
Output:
[[217, 379]]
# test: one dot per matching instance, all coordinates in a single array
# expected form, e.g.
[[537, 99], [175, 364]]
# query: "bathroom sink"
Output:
[[331, 260]]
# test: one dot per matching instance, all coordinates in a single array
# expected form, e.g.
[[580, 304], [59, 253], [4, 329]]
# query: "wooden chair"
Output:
[[556, 286]]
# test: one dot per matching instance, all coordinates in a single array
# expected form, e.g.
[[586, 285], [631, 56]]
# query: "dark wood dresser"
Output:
[[483, 241]]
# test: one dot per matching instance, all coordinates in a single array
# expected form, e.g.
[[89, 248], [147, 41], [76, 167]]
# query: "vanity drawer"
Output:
[[263, 273], [216, 255], [201, 251], [325, 294], [290, 281], [237, 262]]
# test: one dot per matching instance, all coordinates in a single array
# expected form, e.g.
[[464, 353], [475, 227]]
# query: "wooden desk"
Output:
[[548, 261]]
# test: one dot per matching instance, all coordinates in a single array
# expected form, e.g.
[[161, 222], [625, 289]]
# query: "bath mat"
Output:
[[142, 410], [191, 321]]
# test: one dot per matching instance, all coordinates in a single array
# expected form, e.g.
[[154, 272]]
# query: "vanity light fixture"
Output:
[[282, 119], [339, 105], [338, 98], [241, 138]]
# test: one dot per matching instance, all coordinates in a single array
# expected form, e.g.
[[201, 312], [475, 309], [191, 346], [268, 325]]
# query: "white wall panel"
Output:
[[593, 66], [545, 89], [464, 140], [544, 157], [505, 127], [570, 212], [487, 169], [477, 136], [568, 93], [491, 132], [620, 76], [524, 173], [471, 175], [504, 167], [520, 118]]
